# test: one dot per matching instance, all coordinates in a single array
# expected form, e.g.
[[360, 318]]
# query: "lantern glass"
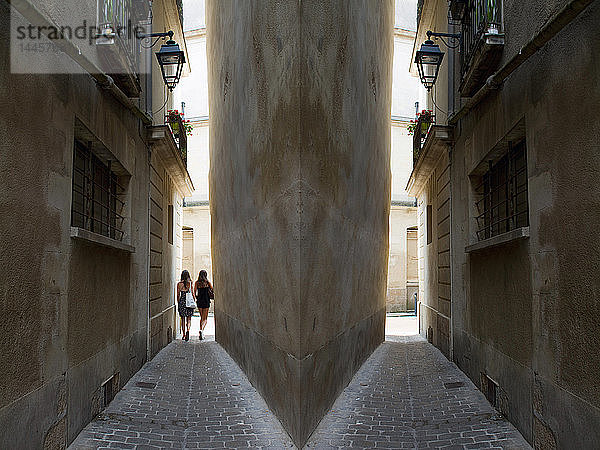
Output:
[[171, 60], [429, 59]]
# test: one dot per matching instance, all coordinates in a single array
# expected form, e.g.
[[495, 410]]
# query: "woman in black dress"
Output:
[[183, 287], [204, 292]]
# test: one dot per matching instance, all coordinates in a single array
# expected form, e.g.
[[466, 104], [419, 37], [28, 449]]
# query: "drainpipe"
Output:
[[148, 241], [548, 31], [451, 99], [31, 13], [451, 327]]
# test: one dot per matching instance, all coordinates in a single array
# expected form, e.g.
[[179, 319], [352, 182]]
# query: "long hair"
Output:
[[185, 276], [202, 278]]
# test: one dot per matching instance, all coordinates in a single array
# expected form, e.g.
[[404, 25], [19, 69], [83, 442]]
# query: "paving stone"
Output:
[[201, 399], [408, 395]]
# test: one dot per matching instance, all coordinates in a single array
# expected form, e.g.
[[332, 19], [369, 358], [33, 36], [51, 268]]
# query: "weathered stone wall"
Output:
[[72, 313], [300, 192], [525, 314], [165, 255], [434, 257]]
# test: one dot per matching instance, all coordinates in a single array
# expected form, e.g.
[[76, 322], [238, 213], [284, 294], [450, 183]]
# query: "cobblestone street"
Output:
[[191, 395], [407, 395]]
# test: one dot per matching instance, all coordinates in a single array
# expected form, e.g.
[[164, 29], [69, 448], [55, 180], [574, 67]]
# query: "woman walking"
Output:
[[185, 313], [204, 292]]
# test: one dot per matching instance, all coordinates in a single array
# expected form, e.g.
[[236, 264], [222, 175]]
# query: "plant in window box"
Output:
[[173, 118], [425, 118], [188, 127], [412, 126]]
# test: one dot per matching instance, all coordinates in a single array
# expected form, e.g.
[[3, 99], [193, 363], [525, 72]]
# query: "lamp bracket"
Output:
[[454, 37], [157, 35]]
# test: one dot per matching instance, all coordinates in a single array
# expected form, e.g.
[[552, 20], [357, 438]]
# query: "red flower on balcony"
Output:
[[425, 117]]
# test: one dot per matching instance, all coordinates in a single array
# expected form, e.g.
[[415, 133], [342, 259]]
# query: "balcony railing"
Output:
[[424, 123], [118, 23], [480, 18], [175, 122], [116, 20]]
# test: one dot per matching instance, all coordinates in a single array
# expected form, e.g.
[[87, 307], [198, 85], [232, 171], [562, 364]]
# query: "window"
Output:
[[96, 200], [170, 225], [503, 204], [429, 224]]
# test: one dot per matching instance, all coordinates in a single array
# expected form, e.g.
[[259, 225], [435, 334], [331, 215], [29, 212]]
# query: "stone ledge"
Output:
[[95, 238], [437, 142], [504, 238], [163, 142]]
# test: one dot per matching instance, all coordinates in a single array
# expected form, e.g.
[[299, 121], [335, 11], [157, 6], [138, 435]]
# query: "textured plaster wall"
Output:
[[300, 190], [526, 313], [72, 313]]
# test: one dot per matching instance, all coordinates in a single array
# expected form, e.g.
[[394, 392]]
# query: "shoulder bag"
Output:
[[189, 299]]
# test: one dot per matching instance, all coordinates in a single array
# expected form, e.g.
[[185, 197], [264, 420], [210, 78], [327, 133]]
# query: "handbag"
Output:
[[211, 293], [189, 300]]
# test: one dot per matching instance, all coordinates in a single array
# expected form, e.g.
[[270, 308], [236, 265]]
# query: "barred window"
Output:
[[503, 204], [96, 202]]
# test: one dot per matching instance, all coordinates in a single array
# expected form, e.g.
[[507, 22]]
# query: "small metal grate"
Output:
[[454, 385], [145, 384], [490, 389], [110, 388]]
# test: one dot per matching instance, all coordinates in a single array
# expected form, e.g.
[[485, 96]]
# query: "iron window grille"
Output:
[[503, 204], [96, 202]]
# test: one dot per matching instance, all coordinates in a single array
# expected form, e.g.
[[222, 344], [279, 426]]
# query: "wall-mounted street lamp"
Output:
[[429, 58], [170, 59]]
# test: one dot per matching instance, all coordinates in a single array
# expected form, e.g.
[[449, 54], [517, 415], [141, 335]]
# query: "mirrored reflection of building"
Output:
[[407, 91]]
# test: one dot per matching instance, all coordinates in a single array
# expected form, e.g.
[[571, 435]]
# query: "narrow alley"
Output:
[[380, 209], [407, 395]]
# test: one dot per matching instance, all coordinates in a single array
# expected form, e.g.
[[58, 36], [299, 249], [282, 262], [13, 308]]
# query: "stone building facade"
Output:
[[523, 177], [194, 91], [406, 92], [429, 182], [402, 273], [170, 182], [79, 147]]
